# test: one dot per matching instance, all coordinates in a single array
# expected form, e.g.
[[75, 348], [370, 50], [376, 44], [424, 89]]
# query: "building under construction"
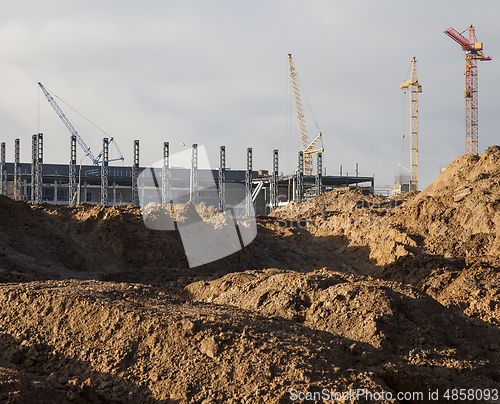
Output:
[[38, 182]]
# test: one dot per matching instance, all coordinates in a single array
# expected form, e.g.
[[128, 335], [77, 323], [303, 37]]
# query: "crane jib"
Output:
[[71, 128]]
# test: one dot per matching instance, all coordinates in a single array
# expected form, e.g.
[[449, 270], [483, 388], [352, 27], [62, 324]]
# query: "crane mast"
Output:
[[307, 148], [414, 88], [473, 53]]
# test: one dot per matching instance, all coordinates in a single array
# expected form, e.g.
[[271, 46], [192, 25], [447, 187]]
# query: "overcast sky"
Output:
[[216, 73]]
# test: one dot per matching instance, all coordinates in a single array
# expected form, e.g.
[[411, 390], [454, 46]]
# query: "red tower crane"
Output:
[[473, 53]]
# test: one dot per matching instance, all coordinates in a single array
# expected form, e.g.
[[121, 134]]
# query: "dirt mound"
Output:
[[358, 217], [398, 320], [102, 342], [52, 241], [394, 295], [443, 240], [459, 213]]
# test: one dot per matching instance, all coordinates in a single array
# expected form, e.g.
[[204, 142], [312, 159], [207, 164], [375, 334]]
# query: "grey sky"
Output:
[[215, 73]]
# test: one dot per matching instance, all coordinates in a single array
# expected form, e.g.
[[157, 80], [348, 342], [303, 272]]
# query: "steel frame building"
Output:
[[223, 188]]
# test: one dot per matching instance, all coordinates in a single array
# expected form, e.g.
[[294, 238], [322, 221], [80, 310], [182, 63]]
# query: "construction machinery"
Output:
[[95, 160], [415, 88], [473, 52], [308, 149]]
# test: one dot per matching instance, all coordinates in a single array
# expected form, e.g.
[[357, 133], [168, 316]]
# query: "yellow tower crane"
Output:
[[415, 88], [307, 148]]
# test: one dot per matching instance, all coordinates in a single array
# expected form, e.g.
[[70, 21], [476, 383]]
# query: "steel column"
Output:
[[34, 146], [274, 182], [248, 178], [17, 172], [55, 187], [104, 172], [3, 171], [37, 175], [222, 179], [193, 181], [72, 171], [300, 178], [165, 175], [319, 173], [135, 175]]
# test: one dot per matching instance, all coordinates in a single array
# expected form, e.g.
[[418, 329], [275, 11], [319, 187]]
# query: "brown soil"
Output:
[[345, 291]]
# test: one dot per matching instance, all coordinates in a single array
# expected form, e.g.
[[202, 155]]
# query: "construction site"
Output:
[[327, 292]]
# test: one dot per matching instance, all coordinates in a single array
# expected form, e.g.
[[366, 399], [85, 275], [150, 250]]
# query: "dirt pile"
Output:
[[347, 290], [94, 342], [360, 218], [51, 242], [459, 213], [444, 240], [401, 324]]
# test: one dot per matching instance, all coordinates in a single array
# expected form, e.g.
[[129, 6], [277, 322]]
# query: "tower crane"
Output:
[[473, 53], [415, 88], [307, 148], [95, 160]]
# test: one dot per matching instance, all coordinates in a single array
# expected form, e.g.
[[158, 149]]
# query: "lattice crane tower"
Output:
[[414, 88], [473, 53], [307, 148]]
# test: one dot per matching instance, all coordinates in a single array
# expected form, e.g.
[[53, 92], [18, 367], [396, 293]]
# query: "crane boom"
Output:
[[95, 160], [294, 82], [68, 124], [307, 147], [459, 38]]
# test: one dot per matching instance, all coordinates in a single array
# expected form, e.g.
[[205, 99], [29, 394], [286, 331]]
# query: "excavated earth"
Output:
[[342, 292]]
